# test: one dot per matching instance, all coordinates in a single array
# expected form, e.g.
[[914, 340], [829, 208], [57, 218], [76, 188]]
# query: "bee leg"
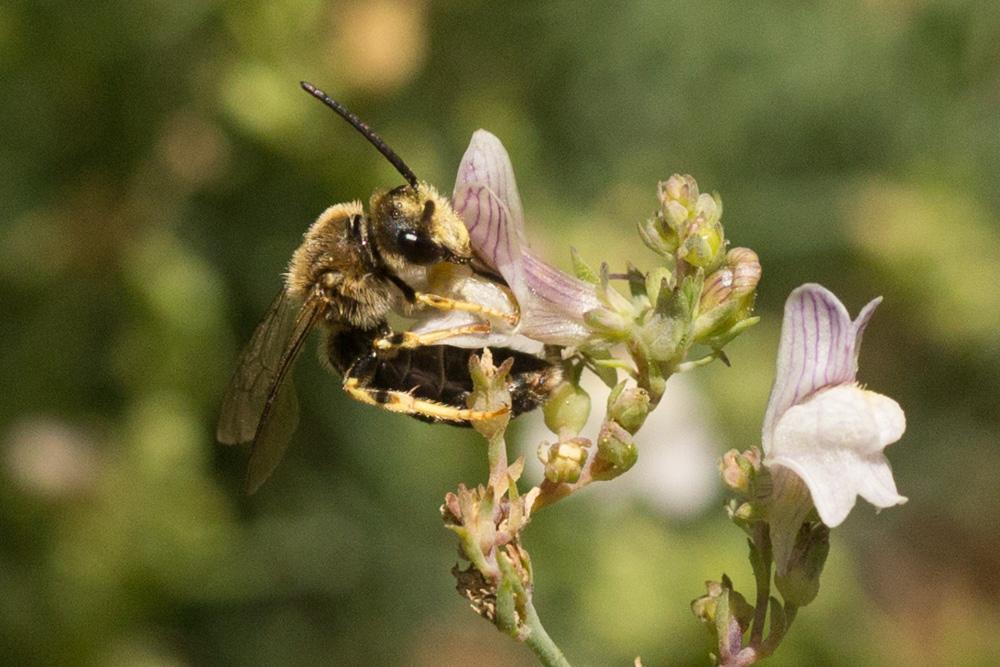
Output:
[[401, 401], [409, 340], [445, 303]]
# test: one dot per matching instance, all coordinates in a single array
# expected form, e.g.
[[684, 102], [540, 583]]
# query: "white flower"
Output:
[[551, 302], [823, 434]]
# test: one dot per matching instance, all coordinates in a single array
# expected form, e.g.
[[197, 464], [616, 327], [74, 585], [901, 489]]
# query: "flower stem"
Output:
[[496, 456], [761, 563], [539, 642]]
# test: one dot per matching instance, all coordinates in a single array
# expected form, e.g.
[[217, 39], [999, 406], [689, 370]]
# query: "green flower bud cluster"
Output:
[[687, 227], [701, 294], [752, 486]]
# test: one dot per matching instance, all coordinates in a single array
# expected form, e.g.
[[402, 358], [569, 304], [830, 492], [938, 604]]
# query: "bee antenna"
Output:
[[366, 131]]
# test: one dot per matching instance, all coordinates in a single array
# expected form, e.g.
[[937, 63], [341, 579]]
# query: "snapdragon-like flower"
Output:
[[552, 303], [823, 434]]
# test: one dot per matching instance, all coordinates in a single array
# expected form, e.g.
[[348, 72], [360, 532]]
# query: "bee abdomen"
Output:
[[441, 373]]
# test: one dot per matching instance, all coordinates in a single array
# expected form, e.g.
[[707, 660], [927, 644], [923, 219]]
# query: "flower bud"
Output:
[[564, 460], [628, 407], [706, 606], [733, 475], [746, 513], [708, 208], [567, 409], [736, 282], [615, 449], [728, 294], [800, 584], [489, 392], [739, 470], [659, 236], [675, 216], [680, 203], [679, 189], [703, 244]]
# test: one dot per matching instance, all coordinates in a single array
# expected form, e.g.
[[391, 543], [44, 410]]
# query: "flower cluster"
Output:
[[823, 434], [700, 294]]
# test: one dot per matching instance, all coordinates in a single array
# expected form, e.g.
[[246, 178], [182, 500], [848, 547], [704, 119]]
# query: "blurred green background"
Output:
[[160, 163]]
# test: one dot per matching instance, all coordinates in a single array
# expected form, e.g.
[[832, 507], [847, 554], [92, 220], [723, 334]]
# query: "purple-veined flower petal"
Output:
[[557, 302], [552, 302], [823, 435], [493, 232], [819, 348], [487, 163]]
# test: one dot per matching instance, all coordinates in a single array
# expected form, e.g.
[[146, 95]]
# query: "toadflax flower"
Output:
[[823, 434], [552, 303]]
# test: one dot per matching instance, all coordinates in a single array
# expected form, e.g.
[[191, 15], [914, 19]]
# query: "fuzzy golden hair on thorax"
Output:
[[323, 248]]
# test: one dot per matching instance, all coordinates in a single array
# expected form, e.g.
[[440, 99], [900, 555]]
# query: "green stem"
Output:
[[496, 456], [539, 642], [761, 563]]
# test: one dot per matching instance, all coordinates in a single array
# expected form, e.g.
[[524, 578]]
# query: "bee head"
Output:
[[412, 224], [416, 225]]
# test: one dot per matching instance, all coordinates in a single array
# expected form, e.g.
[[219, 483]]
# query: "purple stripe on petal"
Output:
[[562, 289], [804, 350], [836, 361], [811, 349], [472, 208], [488, 243], [498, 225], [817, 349]]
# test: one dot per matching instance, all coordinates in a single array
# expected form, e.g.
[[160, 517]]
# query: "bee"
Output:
[[352, 270]]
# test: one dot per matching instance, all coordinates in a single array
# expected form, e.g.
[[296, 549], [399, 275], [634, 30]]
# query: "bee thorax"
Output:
[[335, 259], [363, 302]]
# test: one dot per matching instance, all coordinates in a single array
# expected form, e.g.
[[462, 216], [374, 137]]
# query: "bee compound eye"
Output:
[[418, 248]]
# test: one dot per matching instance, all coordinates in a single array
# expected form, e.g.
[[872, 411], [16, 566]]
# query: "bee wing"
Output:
[[256, 370], [273, 435], [260, 404]]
